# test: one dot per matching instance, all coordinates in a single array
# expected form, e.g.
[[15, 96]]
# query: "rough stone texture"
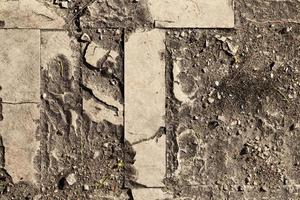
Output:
[[20, 65], [192, 13], [19, 132], [150, 194], [144, 84], [29, 14]]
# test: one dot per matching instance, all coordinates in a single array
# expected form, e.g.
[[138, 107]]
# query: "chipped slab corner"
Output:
[[145, 104], [150, 194], [192, 13]]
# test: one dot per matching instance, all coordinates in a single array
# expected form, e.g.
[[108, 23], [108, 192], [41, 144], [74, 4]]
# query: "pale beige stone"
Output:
[[150, 194], [192, 13], [18, 130], [150, 162], [98, 112], [95, 54], [144, 84], [20, 65], [29, 14]]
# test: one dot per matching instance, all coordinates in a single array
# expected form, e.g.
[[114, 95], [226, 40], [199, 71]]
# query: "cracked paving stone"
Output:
[[192, 13], [29, 14], [145, 103], [19, 129], [20, 96]]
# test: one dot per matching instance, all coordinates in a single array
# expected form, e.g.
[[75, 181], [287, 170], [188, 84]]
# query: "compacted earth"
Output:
[[233, 131]]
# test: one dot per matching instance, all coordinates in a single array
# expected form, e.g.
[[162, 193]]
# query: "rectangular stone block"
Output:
[[192, 13], [144, 84], [145, 103], [150, 194], [18, 130], [29, 14], [20, 65]]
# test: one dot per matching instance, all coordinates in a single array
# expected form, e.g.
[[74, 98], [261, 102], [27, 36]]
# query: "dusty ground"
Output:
[[234, 134]]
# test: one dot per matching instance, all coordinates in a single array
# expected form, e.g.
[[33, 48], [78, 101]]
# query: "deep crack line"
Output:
[[18, 103]]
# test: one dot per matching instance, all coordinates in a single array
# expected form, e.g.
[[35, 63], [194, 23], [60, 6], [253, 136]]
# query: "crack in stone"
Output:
[[105, 104], [161, 131], [18, 103]]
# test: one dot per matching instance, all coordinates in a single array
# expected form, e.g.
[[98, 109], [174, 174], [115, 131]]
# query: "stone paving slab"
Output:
[[18, 130], [29, 14], [145, 103], [192, 13], [150, 194], [144, 84], [20, 65], [20, 96]]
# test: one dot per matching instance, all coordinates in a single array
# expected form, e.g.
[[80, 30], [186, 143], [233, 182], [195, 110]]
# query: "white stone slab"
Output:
[[150, 194], [29, 14], [145, 103], [192, 13], [18, 130], [150, 162], [20, 65], [144, 84]]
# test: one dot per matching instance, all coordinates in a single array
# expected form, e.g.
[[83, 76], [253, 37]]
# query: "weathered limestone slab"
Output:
[[29, 14], [192, 13], [144, 84], [20, 65], [145, 103], [18, 130], [150, 162], [20, 94], [150, 194]]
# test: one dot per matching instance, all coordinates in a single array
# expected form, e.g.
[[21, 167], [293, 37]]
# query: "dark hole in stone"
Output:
[[62, 183], [2, 23], [213, 124], [292, 127]]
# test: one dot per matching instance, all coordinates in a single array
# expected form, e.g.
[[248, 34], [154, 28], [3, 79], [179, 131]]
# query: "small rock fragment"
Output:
[[71, 179], [85, 37]]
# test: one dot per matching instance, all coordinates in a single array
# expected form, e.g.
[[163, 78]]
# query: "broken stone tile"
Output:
[[95, 55], [150, 194], [150, 162], [29, 14], [18, 129], [98, 112], [20, 65], [104, 99], [144, 84], [192, 14]]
